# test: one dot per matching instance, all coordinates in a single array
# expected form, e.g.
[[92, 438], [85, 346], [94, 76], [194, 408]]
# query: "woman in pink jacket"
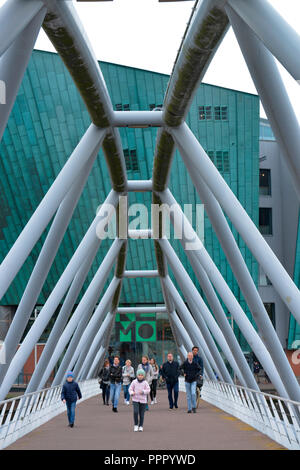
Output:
[[139, 389]]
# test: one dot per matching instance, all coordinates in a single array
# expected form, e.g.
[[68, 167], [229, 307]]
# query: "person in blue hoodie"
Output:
[[69, 394]]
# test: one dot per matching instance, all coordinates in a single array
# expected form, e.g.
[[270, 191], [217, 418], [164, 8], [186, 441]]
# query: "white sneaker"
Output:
[[155, 401], [136, 428], [141, 428], [127, 403], [152, 403]]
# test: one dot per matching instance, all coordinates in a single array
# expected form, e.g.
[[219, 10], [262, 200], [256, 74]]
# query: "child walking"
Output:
[[139, 389], [69, 394]]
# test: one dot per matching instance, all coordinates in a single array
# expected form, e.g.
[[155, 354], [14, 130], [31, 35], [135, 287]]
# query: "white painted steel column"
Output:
[[93, 326], [272, 92], [82, 312], [13, 64], [202, 315], [282, 282], [230, 301], [43, 265], [193, 330], [86, 246], [10, 266], [15, 15], [273, 30]]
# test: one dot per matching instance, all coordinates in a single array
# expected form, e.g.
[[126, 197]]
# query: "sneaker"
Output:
[[189, 411], [176, 406], [194, 410], [71, 425], [141, 428], [136, 428], [127, 403], [155, 401], [152, 403]]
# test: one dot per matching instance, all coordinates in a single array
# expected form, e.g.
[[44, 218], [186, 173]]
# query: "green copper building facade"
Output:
[[48, 120]]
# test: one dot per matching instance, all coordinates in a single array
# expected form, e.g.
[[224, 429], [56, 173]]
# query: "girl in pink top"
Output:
[[139, 389]]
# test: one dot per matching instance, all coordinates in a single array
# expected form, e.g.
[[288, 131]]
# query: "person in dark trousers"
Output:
[[104, 382], [170, 372], [70, 392], [139, 390], [191, 370], [153, 385], [115, 378], [198, 359]]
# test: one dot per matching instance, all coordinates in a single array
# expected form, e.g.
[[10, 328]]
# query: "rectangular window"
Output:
[[264, 182], [263, 278], [265, 220], [131, 160], [270, 307], [210, 153], [122, 107], [219, 160], [204, 113], [222, 161], [226, 165], [221, 113]]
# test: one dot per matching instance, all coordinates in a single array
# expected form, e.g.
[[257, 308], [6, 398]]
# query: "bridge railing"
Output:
[[274, 416], [22, 414]]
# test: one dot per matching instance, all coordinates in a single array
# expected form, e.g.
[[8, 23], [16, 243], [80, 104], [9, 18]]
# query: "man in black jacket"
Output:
[[191, 371], [170, 372], [70, 392], [115, 378]]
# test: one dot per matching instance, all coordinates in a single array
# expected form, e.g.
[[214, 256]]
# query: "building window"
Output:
[[221, 113], [131, 160], [264, 182], [155, 106], [204, 113], [270, 307], [263, 278], [221, 160], [122, 107], [265, 220]]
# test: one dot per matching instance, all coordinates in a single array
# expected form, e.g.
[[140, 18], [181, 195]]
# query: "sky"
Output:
[[147, 34]]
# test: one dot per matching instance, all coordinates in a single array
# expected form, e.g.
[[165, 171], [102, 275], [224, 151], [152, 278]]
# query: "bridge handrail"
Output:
[[273, 415], [21, 414]]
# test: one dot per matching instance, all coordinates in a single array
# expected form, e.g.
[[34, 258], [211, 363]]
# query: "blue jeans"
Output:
[[126, 392], [173, 387], [190, 389], [71, 411], [115, 390]]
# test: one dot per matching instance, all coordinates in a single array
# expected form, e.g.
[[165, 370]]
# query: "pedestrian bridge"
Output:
[[228, 417]]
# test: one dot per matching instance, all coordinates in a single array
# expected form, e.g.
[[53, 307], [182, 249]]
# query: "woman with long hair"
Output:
[[153, 386]]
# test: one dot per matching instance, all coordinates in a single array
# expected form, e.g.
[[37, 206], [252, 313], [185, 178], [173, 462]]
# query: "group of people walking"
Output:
[[141, 385]]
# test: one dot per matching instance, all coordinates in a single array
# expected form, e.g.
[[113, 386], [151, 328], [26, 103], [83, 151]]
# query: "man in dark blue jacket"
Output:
[[69, 394], [170, 372], [191, 370]]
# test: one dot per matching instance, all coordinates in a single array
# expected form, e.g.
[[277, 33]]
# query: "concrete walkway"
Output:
[[97, 427]]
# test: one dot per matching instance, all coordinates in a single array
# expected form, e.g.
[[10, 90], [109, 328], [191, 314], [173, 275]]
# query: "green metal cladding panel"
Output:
[[47, 122]]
